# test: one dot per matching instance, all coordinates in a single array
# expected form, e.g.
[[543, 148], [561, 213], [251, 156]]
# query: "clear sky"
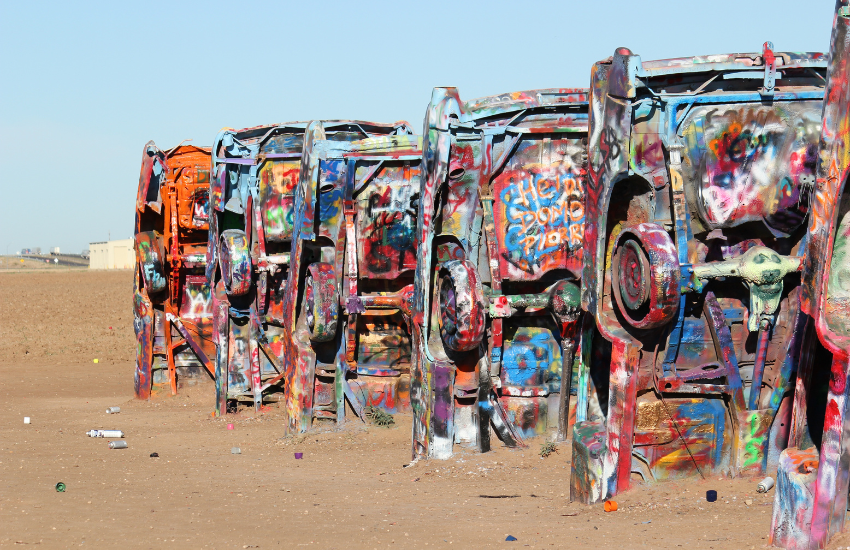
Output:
[[84, 85]]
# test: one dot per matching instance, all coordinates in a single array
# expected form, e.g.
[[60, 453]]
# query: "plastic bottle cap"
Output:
[[60, 487]]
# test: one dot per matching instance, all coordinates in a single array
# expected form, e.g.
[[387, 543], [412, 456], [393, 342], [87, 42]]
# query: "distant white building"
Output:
[[112, 254]]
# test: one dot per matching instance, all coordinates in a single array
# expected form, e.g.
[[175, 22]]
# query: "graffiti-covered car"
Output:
[[351, 278], [171, 303], [496, 299], [255, 174], [698, 172], [814, 471]]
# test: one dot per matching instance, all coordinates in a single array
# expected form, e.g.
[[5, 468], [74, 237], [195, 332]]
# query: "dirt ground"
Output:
[[351, 489]]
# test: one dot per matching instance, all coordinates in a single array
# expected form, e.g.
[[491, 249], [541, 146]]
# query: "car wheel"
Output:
[[461, 306], [645, 276], [150, 253], [235, 262], [321, 302]]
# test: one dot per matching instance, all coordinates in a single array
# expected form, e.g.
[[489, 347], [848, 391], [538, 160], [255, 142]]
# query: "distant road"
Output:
[[68, 260]]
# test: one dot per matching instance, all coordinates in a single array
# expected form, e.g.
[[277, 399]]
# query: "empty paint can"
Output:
[[113, 410], [26, 420], [711, 495], [117, 444], [236, 451], [299, 456], [765, 485], [105, 433]]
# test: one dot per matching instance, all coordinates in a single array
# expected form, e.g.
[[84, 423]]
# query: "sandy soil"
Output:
[[351, 490]]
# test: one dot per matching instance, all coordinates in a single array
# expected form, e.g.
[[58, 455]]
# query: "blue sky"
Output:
[[84, 85]]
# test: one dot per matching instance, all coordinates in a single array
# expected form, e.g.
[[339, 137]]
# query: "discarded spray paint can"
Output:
[[105, 433], [235, 451], [26, 420], [117, 444], [765, 485], [113, 410], [711, 495]]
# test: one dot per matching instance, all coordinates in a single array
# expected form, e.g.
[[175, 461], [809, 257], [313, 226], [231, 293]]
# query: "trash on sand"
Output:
[[765, 485], [113, 410], [748, 501], [26, 420], [711, 495], [60, 487], [610, 505], [236, 451], [510, 537], [154, 455], [117, 444], [96, 361], [230, 426], [105, 433], [299, 456]]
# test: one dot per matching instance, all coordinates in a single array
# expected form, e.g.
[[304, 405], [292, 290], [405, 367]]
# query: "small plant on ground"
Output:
[[380, 417], [548, 448]]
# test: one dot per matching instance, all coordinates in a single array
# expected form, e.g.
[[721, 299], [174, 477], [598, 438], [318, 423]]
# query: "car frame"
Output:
[[813, 473], [351, 278], [257, 170], [170, 290], [696, 167], [495, 316]]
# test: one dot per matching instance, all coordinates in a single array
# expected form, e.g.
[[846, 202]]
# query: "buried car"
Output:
[[255, 174], [814, 471], [496, 298], [351, 276], [698, 171], [170, 290]]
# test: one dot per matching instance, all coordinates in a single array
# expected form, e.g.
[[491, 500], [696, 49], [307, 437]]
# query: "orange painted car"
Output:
[[171, 299]]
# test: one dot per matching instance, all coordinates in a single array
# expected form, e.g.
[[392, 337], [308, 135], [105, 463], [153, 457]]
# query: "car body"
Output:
[[170, 290], [697, 176], [500, 244], [814, 471], [255, 174], [351, 278]]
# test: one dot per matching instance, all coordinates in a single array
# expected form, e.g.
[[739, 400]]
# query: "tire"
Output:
[[461, 306], [645, 276], [235, 262], [321, 302], [150, 254]]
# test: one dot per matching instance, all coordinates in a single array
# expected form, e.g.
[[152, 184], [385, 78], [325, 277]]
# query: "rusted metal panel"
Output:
[[349, 287], [172, 216], [698, 175], [501, 220], [811, 497], [255, 176]]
